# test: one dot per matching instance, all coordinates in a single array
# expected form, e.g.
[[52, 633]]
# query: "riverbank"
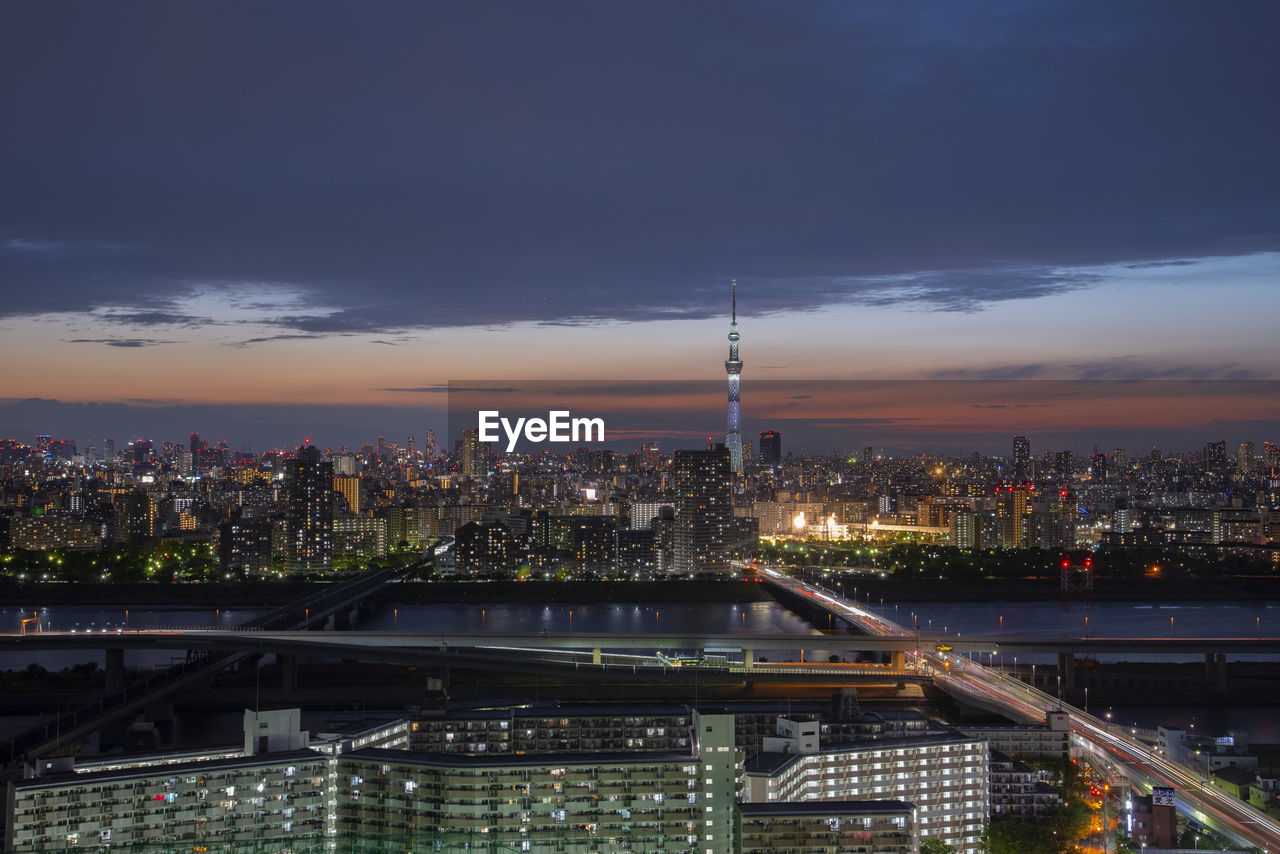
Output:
[[1228, 589], [273, 593], [267, 594]]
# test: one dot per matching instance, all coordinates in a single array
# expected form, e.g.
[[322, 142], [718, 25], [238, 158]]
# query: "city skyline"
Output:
[[943, 417], [1024, 190]]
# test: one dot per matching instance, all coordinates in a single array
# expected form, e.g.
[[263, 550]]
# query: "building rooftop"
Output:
[[283, 757], [772, 763], [1236, 776], [355, 726], [489, 760], [833, 808], [551, 708]]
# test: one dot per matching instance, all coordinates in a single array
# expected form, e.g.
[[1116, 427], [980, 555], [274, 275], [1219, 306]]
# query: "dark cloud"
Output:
[[476, 164], [1027, 371], [150, 318], [285, 336], [120, 342], [1129, 369], [1118, 369], [447, 389]]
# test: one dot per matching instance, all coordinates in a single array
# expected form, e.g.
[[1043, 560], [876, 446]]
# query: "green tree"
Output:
[[1009, 835], [934, 846]]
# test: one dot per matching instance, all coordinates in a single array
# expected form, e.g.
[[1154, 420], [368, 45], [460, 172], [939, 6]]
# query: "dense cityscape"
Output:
[[578, 428], [594, 513]]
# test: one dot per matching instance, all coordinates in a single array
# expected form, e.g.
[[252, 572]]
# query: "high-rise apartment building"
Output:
[[309, 510], [1021, 469], [1215, 457], [944, 776], [244, 545], [1012, 510], [348, 486], [1246, 462], [473, 454], [136, 515], [707, 535], [198, 459]]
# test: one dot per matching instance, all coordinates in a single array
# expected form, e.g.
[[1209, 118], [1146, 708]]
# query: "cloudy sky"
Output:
[[274, 218]]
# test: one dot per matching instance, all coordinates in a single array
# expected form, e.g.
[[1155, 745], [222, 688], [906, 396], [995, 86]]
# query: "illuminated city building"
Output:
[[770, 450], [945, 776], [1021, 459], [349, 488], [707, 534], [309, 511]]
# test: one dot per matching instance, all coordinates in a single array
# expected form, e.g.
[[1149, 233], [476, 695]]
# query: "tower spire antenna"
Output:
[[733, 367]]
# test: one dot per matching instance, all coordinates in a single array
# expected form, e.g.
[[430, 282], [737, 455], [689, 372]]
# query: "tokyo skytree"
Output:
[[733, 367]]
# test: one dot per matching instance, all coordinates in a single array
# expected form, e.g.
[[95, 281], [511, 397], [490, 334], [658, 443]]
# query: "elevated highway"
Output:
[[201, 663], [990, 688], [264, 640]]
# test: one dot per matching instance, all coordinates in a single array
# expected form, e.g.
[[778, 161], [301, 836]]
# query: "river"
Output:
[[992, 619]]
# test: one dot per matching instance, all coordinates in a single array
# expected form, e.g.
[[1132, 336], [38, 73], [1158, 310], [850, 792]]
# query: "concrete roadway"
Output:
[[985, 686], [300, 641]]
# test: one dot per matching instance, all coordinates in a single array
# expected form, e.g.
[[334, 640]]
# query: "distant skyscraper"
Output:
[[197, 452], [1245, 460], [1098, 466], [141, 451], [309, 510], [110, 446], [348, 486], [1011, 510], [733, 366], [1215, 457], [770, 449], [1021, 459], [1064, 465], [1119, 464], [472, 453]]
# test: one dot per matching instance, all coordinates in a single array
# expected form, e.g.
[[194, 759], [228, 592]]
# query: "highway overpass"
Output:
[[984, 686], [267, 641]]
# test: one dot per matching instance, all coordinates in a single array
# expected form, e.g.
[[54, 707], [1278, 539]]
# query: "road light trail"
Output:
[[1213, 808]]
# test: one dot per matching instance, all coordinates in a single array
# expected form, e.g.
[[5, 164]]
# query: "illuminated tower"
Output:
[[733, 366]]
